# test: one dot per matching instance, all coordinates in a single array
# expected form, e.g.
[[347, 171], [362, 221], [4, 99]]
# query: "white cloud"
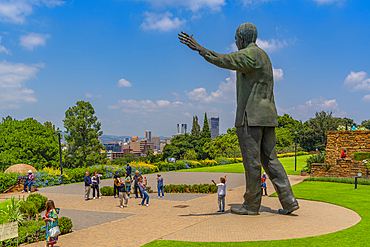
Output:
[[193, 5], [114, 107], [307, 110], [163, 22], [16, 11], [366, 98], [357, 81], [271, 45], [13, 90], [255, 2], [328, 1], [89, 95], [224, 94], [3, 49], [278, 74], [123, 83], [32, 40]]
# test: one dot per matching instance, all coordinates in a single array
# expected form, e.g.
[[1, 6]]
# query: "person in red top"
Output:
[[29, 181], [343, 155]]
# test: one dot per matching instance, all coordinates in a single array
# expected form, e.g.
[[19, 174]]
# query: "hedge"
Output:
[[361, 156], [339, 180], [185, 188]]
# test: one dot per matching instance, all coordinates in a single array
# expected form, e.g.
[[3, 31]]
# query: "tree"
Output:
[[224, 145], [313, 136], [195, 129], [366, 124], [50, 125], [28, 142], [83, 130], [206, 133]]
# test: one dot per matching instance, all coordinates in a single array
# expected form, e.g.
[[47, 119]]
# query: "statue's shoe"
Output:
[[243, 211], [288, 211]]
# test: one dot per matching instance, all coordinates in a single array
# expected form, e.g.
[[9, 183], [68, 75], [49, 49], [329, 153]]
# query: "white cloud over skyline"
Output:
[[3, 49], [163, 22], [13, 89], [193, 5], [32, 40]]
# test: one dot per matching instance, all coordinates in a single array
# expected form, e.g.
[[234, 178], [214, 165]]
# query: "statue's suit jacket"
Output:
[[254, 84]]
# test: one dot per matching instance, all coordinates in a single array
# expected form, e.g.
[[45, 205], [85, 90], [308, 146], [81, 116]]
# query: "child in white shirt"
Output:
[[221, 192]]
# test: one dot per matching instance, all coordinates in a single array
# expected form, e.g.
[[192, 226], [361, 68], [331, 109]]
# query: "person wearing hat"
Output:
[[117, 184], [29, 182]]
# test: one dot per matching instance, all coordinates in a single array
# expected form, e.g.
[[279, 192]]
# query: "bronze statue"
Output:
[[256, 117]]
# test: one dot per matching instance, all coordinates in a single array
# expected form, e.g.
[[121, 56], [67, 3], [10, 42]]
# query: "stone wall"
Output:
[[343, 168], [337, 141], [353, 141]]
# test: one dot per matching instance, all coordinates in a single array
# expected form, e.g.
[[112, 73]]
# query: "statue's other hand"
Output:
[[189, 41]]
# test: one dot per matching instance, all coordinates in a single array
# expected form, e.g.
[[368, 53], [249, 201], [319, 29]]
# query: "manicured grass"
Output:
[[288, 164], [335, 193]]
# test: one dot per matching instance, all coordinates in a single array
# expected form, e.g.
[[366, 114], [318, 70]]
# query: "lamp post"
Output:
[[295, 164], [359, 174], [60, 156]]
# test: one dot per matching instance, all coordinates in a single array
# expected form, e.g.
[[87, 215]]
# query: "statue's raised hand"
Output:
[[189, 41]]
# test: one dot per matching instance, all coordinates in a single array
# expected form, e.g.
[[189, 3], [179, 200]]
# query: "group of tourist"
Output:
[[122, 186]]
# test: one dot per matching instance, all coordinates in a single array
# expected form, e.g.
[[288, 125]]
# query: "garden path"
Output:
[[193, 219]]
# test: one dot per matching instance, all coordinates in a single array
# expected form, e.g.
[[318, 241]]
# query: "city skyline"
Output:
[[124, 57]]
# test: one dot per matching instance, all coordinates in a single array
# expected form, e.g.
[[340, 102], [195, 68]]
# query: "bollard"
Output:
[[355, 183]]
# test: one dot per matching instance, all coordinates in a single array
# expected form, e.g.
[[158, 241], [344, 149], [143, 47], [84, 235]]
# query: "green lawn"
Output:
[[288, 164], [335, 193]]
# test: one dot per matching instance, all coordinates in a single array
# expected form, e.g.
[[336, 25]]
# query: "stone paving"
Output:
[[103, 223]]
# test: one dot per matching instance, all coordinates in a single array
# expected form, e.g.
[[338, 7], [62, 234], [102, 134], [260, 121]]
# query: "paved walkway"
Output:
[[192, 218]]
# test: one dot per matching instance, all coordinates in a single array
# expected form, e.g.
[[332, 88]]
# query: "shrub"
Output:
[[28, 208], [39, 201], [7, 180], [185, 188], [12, 212], [361, 156], [65, 225], [106, 191], [316, 158]]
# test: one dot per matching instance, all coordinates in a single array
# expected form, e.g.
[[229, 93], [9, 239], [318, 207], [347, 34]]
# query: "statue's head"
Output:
[[245, 34]]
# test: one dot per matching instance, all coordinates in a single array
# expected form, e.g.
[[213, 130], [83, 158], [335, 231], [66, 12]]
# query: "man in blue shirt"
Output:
[[87, 180], [160, 185], [128, 169]]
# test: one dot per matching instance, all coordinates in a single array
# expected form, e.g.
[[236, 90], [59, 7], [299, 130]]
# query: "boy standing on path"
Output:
[[221, 192], [160, 185], [87, 180]]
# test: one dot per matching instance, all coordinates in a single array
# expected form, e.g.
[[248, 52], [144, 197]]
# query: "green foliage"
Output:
[[106, 191], [195, 129], [28, 208], [65, 225], [180, 145], [206, 133], [83, 131], [185, 188], [315, 158], [7, 180], [224, 145], [366, 124], [361, 156], [190, 155], [12, 212], [27, 141], [39, 201]]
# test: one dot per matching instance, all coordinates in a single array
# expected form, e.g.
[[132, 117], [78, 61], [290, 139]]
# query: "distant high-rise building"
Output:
[[214, 126], [148, 135], [156, 141], [134, 138], [181, 129], [167, 140]]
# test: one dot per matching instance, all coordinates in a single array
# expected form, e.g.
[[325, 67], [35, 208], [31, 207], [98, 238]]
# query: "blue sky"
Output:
[[124, 57]]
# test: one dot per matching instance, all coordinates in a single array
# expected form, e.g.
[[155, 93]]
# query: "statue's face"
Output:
[[239, 41]]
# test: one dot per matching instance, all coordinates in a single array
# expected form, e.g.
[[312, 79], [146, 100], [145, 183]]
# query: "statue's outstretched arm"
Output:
[[233, 61]]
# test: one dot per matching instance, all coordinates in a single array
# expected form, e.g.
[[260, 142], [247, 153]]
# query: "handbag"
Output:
[[54, 231]]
